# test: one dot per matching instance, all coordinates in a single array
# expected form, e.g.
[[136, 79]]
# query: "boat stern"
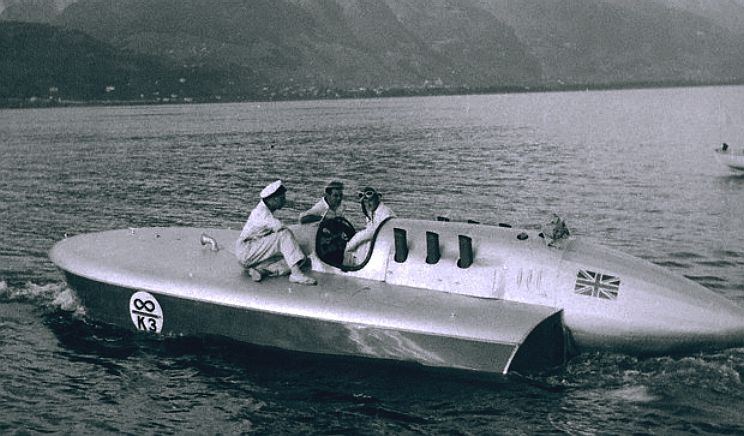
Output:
[[622, 303]]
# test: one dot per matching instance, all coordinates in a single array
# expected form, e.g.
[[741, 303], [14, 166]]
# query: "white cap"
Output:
[[271, 188]]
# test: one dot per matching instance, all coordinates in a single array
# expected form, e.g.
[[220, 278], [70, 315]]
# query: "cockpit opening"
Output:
[[332, 237]]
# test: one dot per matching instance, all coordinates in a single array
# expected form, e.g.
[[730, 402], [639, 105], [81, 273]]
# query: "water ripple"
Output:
[[642, 181]]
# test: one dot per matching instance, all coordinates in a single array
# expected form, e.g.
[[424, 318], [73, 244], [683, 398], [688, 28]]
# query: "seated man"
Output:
[[375, 212], [327, 207], [555, 231], [265, 246]]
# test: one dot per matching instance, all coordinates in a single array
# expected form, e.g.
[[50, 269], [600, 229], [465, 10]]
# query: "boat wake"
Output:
[[51, 296]]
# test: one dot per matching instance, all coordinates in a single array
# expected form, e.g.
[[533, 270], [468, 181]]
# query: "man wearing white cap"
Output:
[[265, 246], [327, 207]]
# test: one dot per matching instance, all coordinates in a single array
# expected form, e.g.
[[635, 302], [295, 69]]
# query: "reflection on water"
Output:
[[733, 181]]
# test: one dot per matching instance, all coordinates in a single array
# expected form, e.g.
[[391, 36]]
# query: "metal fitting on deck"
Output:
[[206, 239], [466, 251], [432, 248], [401, 245]]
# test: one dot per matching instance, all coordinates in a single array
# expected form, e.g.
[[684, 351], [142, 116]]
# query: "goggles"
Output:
[[369, 193]]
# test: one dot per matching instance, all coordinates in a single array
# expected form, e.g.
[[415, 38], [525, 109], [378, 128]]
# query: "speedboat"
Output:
[[486, 298], [730, 159]]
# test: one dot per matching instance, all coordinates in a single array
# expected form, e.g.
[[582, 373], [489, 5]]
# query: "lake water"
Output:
[[632, 169]]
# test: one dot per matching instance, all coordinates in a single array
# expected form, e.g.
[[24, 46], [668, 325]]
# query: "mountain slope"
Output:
[[33, 11], [602, 41], [478, 49], [728, 14], [39, 60], [318, 42], [314, 48]]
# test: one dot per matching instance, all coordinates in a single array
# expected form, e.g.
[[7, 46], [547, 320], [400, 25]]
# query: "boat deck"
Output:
[[172, 265]]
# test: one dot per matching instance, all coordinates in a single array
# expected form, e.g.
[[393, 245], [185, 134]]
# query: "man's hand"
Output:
[[307, 219]]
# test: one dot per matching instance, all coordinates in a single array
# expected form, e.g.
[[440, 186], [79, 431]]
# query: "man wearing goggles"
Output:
[[375, 212]]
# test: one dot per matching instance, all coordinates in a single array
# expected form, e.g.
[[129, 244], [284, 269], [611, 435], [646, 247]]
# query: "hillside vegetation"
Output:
[[269, 49]]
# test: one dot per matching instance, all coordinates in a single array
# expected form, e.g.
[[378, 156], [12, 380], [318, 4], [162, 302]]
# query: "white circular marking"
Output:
[[146, 312]]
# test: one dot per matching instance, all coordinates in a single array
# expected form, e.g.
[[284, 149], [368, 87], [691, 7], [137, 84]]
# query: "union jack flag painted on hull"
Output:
[[598, 285]]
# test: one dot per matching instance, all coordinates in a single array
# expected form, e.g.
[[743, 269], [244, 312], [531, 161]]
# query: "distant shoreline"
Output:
[[361, 93]]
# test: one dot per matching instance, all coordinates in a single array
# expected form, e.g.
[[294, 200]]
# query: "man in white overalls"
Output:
[[265, 246], [376, 213]]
